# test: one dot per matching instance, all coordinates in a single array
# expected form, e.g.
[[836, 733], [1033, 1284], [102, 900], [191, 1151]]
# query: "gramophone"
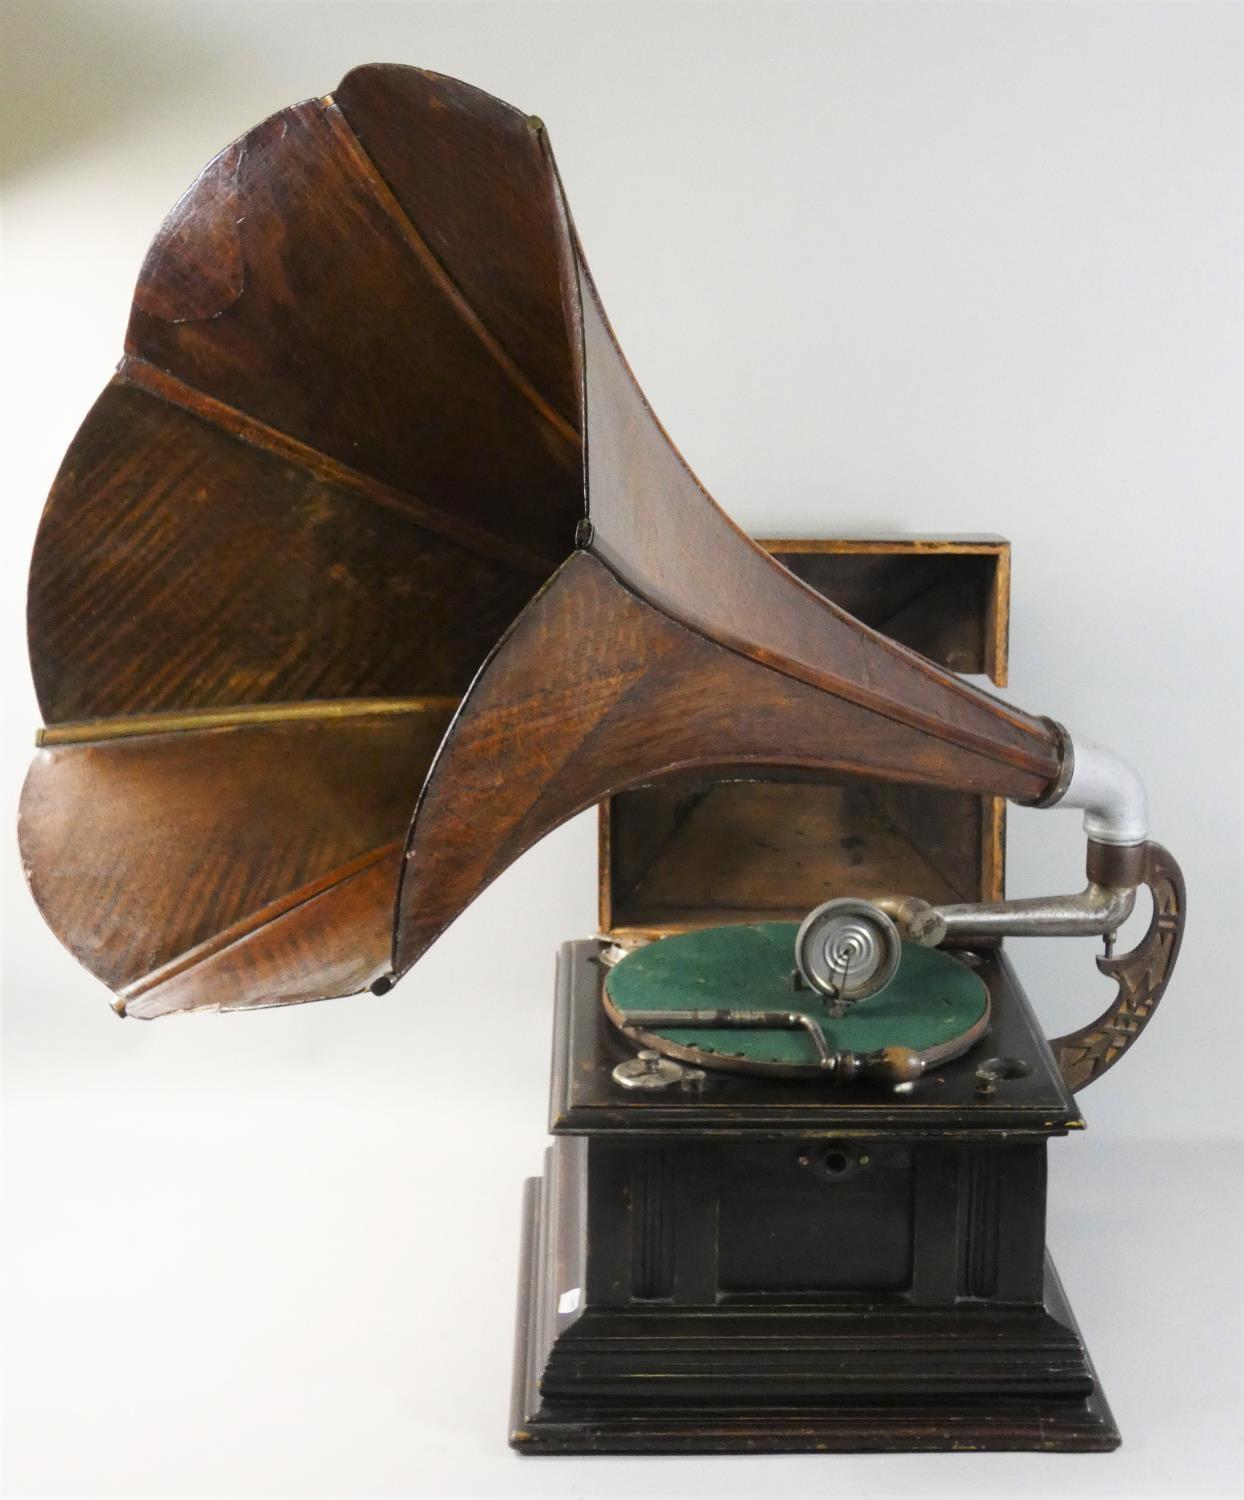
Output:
[[370, 566]]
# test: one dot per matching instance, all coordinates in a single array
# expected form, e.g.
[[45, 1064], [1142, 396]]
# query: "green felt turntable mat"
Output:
[[932, 999]]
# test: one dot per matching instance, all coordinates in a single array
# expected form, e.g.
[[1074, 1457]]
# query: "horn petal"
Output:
[[224, 860]]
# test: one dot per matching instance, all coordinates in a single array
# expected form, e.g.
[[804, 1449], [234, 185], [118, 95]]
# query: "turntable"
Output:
[[370, 567]]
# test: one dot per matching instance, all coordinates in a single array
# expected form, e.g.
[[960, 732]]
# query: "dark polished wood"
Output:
[[201, 868], [1141, 977], [349, 335], [180, 567], [659, 529], [767, 1266], [470, 173], [584, 1100], [594, 690], [372, 437]]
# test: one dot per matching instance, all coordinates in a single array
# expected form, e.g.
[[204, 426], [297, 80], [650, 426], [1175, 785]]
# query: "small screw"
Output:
[[693, 1079], [995, 1070]]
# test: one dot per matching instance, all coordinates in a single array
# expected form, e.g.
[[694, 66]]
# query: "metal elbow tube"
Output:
[[1107, 787]]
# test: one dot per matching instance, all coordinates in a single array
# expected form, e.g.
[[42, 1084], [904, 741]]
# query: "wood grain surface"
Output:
[[595, 690], [368, 398], [153, 854], [1140, 976]]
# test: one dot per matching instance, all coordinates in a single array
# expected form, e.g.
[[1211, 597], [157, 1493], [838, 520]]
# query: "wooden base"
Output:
[[795, 1380], [778, 1265]]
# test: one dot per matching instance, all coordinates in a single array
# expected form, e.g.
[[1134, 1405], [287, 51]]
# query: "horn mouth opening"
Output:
[[341, 455]]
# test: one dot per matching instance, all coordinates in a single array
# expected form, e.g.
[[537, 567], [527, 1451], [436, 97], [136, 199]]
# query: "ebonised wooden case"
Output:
[[772, 1266]]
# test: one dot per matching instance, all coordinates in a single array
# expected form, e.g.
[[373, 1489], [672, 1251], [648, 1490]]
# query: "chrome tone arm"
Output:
[[1095, 911], [1141, 975]]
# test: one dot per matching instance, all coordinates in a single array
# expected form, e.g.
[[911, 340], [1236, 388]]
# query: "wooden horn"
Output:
[[374, 520]]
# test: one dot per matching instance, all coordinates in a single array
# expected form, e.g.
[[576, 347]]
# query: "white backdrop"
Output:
[[932, 267]]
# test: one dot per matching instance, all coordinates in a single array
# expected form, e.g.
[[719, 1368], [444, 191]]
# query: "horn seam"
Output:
[[850, 692], [139, 372], [457, 298], [948, 680], [412, 824], [991, 757], [241, 716], [246, 926]]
